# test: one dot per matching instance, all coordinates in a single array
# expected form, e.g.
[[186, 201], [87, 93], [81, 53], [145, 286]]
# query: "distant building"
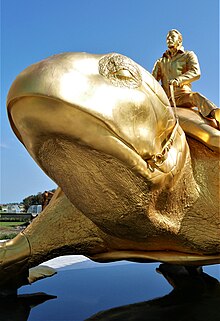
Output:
[[11, 208], [4, 208], [34, 209], [22, 208]]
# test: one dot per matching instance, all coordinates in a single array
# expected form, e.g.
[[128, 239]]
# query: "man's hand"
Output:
[[174, 82]]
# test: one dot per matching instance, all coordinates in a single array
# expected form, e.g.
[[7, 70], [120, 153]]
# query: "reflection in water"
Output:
[[195, 297], [85, 290], [18, 308]]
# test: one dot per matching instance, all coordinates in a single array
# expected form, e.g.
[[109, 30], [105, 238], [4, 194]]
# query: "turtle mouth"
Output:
[[159, 159], [116, 113], [35, 119]]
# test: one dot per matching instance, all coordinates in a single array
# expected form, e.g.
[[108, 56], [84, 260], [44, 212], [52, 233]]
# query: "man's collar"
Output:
[[181, 49], [167, 52]]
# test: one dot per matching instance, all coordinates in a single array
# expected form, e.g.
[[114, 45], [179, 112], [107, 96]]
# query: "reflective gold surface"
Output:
[[132, 186], [180, 68], [200, 128], [128, 113]]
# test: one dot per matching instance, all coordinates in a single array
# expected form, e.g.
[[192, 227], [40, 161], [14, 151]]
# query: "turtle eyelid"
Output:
[[120, 70], [124, 73]]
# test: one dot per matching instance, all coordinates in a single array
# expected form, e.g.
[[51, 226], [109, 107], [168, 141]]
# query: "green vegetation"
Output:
[[14, 220], [8, 230], [10, 224], [7, 236], [34, 199]]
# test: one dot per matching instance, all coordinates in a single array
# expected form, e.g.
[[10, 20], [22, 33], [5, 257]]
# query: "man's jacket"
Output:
[[183, 66]]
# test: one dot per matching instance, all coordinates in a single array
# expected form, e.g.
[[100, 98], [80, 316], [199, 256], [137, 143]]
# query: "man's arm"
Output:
[[156, 72], [193, 70]]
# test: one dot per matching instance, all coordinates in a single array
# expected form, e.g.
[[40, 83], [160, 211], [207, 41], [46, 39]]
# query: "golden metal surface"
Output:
[[130, 114], [181, 68], [103, 129], [200, 128], [171, 257]]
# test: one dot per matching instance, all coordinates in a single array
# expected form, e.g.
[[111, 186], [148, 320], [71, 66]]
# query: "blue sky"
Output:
[[32, 30]]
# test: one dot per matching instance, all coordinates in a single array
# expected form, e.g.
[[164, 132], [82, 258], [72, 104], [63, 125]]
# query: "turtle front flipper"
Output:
[[60, 229], [14, 268], [14, 256]]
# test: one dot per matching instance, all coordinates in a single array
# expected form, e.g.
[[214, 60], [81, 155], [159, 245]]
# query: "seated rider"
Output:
[[179, 68]]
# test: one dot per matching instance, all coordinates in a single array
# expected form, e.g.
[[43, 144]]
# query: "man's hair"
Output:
[[177, 32]]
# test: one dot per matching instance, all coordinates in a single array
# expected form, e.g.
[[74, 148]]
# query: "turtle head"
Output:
[[102, 128], [106, 103]]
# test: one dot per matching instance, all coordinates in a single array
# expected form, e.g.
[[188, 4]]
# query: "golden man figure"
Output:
[[179, 67]]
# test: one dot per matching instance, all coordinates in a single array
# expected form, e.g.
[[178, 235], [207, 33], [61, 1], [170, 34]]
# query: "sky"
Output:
[[32, 30]]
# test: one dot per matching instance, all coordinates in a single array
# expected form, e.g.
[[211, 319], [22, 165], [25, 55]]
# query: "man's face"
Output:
[[172, 40]]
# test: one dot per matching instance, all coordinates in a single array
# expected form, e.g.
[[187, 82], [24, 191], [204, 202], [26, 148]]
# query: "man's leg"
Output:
[[206, 108]]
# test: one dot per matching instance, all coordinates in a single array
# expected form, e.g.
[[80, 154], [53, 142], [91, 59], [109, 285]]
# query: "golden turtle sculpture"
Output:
[[131, 185]]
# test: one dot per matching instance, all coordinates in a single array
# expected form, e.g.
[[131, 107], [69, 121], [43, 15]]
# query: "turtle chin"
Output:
[[40, 122]]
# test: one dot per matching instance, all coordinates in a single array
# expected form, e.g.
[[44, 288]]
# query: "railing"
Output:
[[15, 217]]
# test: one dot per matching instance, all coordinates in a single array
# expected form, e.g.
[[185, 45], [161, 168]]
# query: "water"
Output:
[[86, 288]]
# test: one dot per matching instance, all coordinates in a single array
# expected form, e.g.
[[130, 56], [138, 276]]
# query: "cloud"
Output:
[[4, 146]]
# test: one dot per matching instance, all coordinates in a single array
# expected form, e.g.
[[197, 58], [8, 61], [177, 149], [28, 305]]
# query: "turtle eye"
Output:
[[120, 70], [124, 74]]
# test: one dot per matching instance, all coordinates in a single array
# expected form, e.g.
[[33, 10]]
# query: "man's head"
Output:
[[174, 39]]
